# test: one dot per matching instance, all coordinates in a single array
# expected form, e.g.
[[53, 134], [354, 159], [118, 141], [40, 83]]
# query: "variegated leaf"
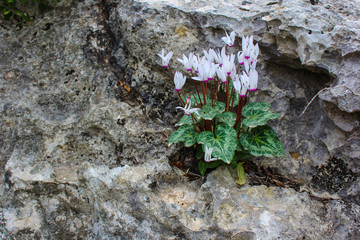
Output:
[[186, 134], [224, 142], [257, 114], [262, 141], [208, 112], [227, 117]]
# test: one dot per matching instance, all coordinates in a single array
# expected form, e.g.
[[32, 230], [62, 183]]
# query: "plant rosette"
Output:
[[219, 118]]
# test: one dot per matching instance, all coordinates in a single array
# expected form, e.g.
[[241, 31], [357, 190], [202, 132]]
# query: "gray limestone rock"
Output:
[[86, 112]]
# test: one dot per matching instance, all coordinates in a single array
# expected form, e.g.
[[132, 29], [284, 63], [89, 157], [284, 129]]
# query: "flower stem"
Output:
[[197, 103], [232, 97], [203, 91], [197, 91], [238, 112], [206, 86], [172, 75], [181, 97], [227, 95], [196, 126], [212, 96]]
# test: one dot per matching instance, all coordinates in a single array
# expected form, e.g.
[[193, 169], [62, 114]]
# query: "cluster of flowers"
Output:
[[219, 64], [217, 68]]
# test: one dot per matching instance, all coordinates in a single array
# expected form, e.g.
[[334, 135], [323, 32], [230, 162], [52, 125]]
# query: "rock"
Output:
[[86, 112]]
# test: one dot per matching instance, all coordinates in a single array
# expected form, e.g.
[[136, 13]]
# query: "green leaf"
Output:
[[224, 142], [208, 112], [262, 141], [7, 16], [7, 12], [257, 114], [186, 134], [186, 119], [241, 180], [205, 165], [228, 118]]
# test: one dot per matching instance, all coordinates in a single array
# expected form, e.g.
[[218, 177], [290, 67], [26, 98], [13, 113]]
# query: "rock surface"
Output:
[[86, 112]]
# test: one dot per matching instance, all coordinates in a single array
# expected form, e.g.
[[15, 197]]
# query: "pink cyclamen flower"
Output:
[[165, 59], [187, 109], [207, 156], [179, 81], [229, 40]]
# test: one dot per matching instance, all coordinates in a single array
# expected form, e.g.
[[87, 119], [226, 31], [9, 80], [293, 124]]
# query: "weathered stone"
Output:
[[87, 111]]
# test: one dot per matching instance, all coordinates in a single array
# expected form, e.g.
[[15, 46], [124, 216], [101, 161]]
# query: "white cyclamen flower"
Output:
[[187, 62], [237, 84], [187, 109], [206, 70], [249, 51], [195, 63], [165, 59], [179, 81], [245, 84], [222, 75], [241, 58], [209, 56], [228, 63], [247, 46], [253, 78], [229, 40], [207, 157]]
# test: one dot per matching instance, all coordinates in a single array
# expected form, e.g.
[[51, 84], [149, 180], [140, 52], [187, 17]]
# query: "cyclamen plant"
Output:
[[219, 119]]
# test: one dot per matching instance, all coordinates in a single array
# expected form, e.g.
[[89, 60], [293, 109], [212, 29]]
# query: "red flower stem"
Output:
[[203, 91], [198, 124], [197, 104], [197, 91], [181, 97], [227, 95], [222, 92], [217, 90], [172, 75], [206, 86], [212, 96], [238, 112], [233, 97], [208, 125]]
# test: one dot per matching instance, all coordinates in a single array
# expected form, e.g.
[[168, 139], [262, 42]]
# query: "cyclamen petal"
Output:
[[187, 109], [223, 76], [237, 84], [229, 40], [187, 62], [245, 84], [207, 156], [228, 65], [253, 77], [215, 55], [241, 58], [165, 59], [179, 81]]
